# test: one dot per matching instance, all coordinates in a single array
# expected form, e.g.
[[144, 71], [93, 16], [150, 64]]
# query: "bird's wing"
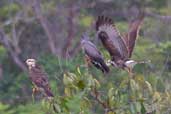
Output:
[[39, 77], [91, 50], [106, 30], [131, 36], [96, 57]]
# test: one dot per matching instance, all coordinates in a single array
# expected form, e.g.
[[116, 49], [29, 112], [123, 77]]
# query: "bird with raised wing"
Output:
[[120, 48], [93, 54], [38, 77]]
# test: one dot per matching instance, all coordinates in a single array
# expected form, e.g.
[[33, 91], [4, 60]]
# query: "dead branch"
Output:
[[15, 39], [75, 50], [45, 24], [70, 31], [157, 16], [5, 42], [104, 104]]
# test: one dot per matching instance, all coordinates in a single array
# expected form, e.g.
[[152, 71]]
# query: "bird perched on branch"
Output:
[[38, 77], [93, 54], [120, 48]]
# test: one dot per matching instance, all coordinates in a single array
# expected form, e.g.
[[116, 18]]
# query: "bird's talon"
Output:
[[35, 90]]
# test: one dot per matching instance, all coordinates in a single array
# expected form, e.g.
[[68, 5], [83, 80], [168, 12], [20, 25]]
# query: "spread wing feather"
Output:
[[109, 35], [131, 36]]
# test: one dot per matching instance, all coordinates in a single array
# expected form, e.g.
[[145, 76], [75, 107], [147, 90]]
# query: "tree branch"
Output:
[[70, 31], [97, 97], [76, 49], [45, 24], [4, 40], [104, 104], [160, 17]]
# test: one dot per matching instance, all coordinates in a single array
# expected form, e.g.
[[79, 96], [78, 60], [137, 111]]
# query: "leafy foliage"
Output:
[[78, 89]]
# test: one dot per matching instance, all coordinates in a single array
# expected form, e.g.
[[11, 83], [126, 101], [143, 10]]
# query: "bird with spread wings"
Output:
[[93, 55], [38, 77], [120, 48]]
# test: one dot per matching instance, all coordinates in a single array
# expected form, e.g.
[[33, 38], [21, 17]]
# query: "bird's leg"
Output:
[[35, 89], [129, 70], [87, 61]]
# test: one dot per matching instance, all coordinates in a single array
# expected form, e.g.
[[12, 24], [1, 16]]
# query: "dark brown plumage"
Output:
[[132, 35], [93, 54], [39, 77], [112, 40], [119, 48]]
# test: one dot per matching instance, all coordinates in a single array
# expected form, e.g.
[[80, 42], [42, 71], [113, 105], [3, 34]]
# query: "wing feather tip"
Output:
[[102, 20]]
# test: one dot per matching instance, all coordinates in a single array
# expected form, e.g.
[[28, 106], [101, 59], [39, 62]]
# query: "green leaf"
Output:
[[67, 80], [143, 110], [86, 103], [149, 87], [68, 91], [91, 82], [81, 84], [72, 75], [138, 107], [56, 108], [111, 93], [132, 109], [86, 21], [78, 70], [156, 97], [97, 84], [110, 112], [74, 103], [134, 85]]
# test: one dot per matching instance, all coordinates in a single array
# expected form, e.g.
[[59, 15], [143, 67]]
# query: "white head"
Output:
[[31, 63], [130, 63]]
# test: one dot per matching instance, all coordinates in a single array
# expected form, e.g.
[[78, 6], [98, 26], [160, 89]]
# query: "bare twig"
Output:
[[97, 97], [157, 16], [15, 39], [104, 104], [70, 31], [45, 24], [76, 49], [4, 40]]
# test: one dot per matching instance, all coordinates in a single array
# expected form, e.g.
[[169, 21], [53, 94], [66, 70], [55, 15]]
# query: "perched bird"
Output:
[[93, 54], [38, 77], [120, 48]]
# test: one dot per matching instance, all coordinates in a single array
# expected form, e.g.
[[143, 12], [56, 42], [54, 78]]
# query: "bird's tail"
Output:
[[48, 92]]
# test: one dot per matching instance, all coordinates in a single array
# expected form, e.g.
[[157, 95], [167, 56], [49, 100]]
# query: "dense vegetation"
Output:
[[50, 30]]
